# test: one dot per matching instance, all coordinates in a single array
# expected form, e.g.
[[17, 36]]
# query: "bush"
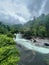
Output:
[[10, 35], [27, 35], [9, 54]]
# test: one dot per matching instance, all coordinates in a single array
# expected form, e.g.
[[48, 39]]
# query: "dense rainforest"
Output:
[[38, 27]]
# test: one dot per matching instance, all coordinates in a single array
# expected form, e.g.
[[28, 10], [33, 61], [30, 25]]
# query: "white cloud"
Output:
[[8, 7], [23, 10], [42, 7]]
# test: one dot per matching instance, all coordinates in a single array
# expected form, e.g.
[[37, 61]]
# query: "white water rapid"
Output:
[[29, 45]]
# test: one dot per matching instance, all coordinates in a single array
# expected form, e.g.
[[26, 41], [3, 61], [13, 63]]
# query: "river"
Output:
[[29, 53]]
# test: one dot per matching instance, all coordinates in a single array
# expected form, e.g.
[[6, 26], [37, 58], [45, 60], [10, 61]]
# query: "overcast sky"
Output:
[[20, 11]]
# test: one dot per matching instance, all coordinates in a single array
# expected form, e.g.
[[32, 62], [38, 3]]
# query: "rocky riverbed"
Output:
[[40, 42]]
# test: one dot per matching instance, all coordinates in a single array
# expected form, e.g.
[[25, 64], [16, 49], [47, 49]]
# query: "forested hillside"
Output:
[[39, 26]]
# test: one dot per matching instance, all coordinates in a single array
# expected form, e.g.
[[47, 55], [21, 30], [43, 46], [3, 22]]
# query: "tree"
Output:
[[42, 31]]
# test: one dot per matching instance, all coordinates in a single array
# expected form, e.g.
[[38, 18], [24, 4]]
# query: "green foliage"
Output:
[[42, 31], [39, 26], [9, 54], [27, 34], [10, 29], [10, 35]]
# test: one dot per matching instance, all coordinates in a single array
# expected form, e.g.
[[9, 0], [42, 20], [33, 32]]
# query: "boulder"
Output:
[[46, 44]]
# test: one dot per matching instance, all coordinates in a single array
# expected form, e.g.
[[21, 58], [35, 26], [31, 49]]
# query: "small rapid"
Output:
[[29, 45]]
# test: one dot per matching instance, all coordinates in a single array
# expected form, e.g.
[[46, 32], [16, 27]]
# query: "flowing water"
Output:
[[31, 54]]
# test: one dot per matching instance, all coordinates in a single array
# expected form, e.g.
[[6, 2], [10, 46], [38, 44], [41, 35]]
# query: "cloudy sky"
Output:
[[20, 11]]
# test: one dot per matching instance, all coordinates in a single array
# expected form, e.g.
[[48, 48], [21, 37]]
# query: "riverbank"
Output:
[[40, 41]]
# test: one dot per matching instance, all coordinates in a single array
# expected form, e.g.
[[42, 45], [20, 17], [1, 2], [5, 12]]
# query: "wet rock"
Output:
[[46, 44], [34, 40]]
